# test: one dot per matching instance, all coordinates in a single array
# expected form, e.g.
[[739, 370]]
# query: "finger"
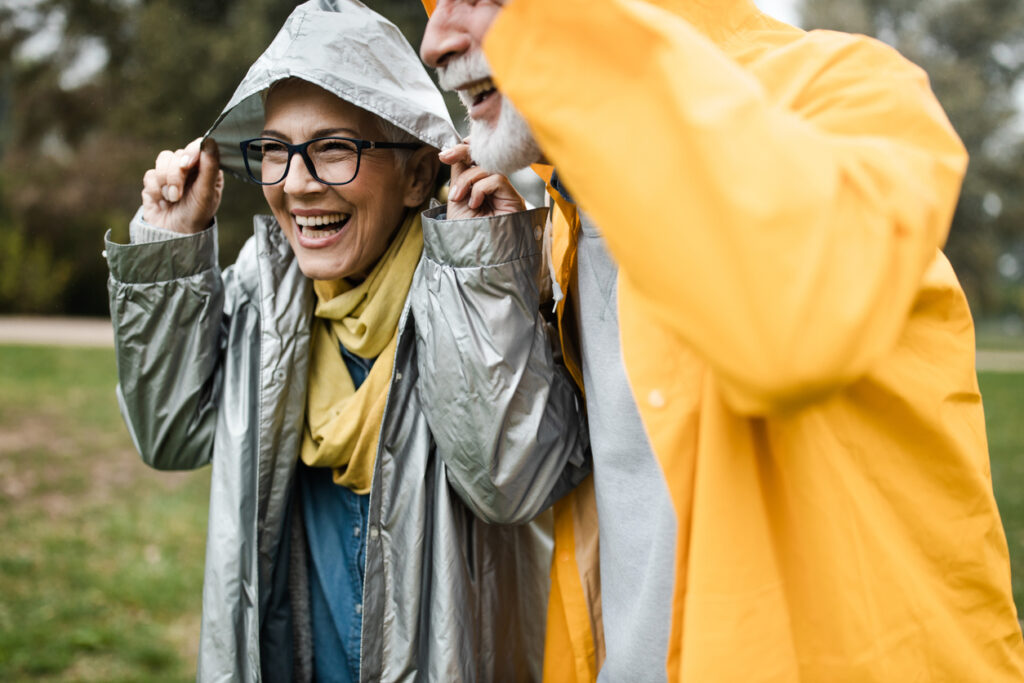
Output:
[[209, 165], [177, 175], [149, 205], [163, 163], [456, 153], [189, 156], [169, 175], [485, 188], [151, 197], [209, 181], [465, 182], [460, 160], [151, 183]]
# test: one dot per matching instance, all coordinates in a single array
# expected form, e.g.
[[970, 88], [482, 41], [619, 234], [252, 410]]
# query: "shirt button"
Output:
[[357, 532], [398, 377], [374, 531], [656, 399], [359, 608]]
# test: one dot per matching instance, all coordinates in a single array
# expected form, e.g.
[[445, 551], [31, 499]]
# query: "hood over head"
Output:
[[351, 51]]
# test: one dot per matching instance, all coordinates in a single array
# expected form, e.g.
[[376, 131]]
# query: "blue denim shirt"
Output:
[[335, 520]]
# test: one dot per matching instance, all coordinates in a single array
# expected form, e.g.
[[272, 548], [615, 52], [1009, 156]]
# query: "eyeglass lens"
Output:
[[334, 160]]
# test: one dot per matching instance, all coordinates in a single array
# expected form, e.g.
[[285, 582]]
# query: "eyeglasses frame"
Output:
[[302, 150]]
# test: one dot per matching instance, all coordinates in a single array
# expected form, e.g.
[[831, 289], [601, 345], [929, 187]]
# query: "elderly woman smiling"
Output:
[[344, 543]]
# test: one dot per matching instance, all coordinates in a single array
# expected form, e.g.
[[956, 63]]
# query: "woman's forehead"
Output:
[[295, 102]]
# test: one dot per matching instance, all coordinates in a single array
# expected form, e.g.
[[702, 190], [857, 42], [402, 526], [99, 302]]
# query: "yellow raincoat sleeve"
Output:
[[775, 206]]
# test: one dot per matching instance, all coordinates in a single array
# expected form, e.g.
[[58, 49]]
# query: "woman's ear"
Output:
[[420, 174]]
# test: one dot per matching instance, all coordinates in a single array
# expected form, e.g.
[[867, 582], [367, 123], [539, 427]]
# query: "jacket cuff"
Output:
[[158, 255], [474, 242]]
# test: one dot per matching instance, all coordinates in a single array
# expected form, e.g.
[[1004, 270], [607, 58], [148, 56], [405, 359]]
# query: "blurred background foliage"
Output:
[[973, 52], [90, 90]]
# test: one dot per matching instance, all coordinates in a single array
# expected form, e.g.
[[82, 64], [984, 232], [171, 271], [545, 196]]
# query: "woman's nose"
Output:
[[299, 180]]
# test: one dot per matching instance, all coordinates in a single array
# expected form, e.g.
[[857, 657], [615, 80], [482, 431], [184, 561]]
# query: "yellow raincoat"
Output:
[[800, 350]]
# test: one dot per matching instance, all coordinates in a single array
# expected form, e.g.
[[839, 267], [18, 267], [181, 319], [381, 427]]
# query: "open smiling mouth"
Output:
[[479, 91], [321, 226]]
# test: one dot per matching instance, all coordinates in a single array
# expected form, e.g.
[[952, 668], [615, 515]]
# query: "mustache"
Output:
[[463, 69]]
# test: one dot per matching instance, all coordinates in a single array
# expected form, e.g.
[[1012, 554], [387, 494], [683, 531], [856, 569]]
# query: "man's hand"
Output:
[[475, 192], [182, 191]]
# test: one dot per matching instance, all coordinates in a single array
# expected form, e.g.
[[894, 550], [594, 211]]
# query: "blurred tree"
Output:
[[90, 91], [95, 89], [974, 55]]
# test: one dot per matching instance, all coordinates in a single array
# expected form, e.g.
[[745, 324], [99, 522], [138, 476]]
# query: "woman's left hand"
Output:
[[475, 192]]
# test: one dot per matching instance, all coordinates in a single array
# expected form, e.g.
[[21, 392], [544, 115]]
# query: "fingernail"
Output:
[[453, 193], [185, 161], [172, 194]]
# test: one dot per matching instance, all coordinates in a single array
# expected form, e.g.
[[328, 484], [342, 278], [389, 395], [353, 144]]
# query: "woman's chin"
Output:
[[316, 268]]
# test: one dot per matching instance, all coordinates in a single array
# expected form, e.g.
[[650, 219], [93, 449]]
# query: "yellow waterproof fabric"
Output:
[[342, 422], [801, 352]]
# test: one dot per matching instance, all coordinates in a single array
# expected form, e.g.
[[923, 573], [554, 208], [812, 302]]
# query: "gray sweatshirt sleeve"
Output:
[[166, 304], [506, 415]]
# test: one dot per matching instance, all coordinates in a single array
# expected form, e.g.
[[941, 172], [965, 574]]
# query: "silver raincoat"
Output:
[[212, 369]]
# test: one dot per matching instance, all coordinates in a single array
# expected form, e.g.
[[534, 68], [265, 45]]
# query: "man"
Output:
[[790, 464]]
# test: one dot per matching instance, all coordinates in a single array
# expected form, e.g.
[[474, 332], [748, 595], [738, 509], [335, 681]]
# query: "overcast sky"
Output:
[[780, 9]]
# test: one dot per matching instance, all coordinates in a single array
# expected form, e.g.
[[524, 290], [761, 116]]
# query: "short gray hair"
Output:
[[389, 132]]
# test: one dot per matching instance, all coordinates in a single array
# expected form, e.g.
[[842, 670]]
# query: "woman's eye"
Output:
[[338, 146], [270, 148]]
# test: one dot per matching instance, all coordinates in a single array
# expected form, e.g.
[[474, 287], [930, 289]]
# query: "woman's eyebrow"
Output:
[[322, 133]]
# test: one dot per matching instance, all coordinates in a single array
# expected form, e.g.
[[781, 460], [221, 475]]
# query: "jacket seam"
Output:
[[445, 264], [139, 283]]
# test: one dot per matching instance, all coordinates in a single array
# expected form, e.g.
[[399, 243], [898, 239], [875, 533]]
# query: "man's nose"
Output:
[[443, 38]]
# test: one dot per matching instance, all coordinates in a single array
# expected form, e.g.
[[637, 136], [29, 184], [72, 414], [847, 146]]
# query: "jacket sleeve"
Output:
[[776, 216], [504, 412], [166, 305]]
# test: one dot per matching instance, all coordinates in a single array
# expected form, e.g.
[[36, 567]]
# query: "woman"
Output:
[[343, 543]]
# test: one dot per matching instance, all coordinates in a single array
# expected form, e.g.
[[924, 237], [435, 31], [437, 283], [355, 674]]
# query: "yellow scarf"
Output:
[[342, 423]]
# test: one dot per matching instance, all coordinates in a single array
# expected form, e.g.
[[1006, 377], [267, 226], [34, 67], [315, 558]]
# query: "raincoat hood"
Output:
[[351, 51]]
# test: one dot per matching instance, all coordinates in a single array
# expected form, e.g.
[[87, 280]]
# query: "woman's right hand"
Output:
[[182, 191]]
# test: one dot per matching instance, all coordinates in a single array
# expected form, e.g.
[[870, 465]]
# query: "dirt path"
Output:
[[1001, 361], [56, 331]]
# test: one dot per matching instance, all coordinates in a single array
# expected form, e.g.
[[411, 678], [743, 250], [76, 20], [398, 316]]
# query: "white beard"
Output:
[[508, 145]]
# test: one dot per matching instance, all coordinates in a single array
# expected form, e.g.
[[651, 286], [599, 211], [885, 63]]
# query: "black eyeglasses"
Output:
[[331, 161]]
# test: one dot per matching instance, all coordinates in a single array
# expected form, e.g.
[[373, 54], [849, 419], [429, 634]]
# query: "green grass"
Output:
[[101, 565], [1003, 394]]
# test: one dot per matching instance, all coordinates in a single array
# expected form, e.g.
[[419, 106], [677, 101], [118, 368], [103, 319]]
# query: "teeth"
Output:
[[479, 87], [326, 219], [317, 234]]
